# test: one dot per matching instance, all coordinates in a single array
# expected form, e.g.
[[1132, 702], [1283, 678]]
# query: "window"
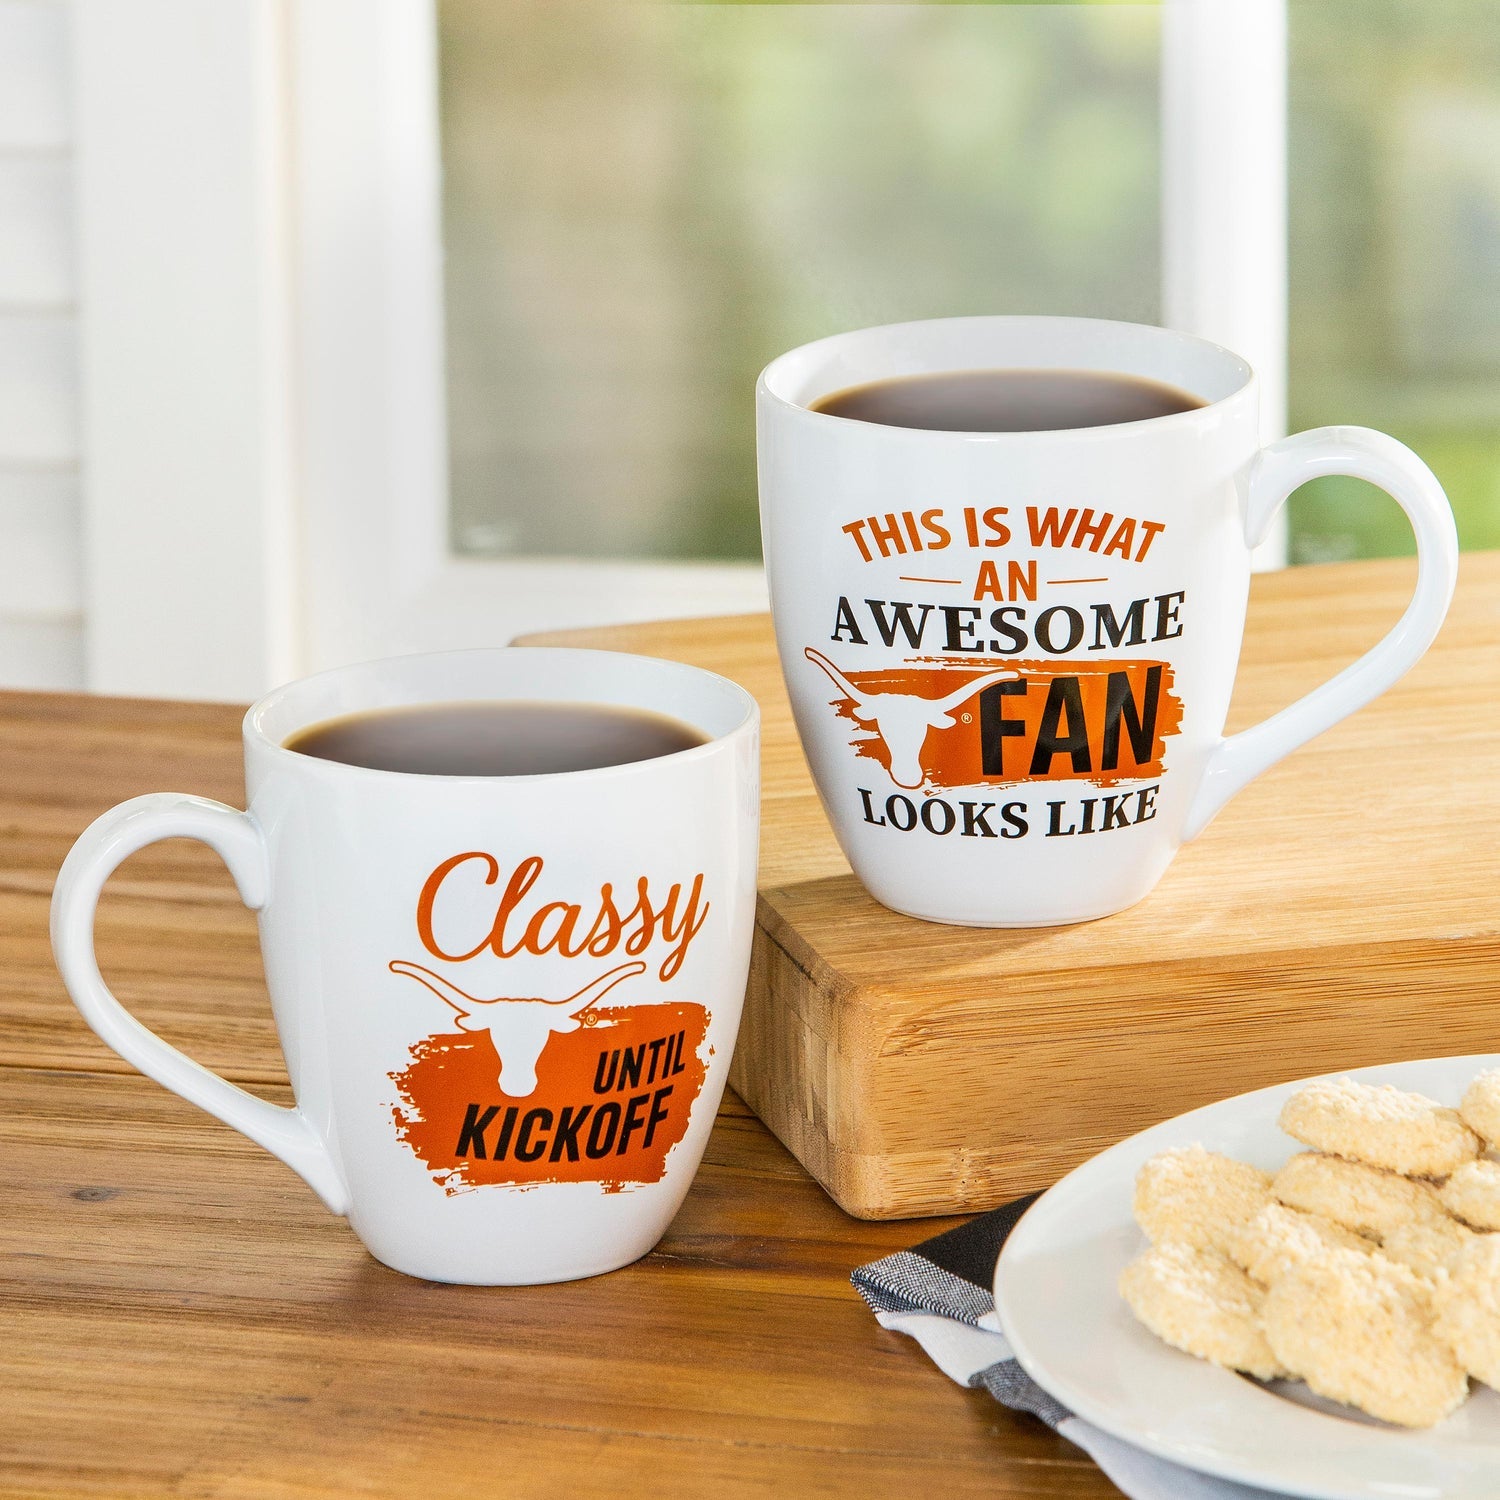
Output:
[[523, 400], [645, 202]]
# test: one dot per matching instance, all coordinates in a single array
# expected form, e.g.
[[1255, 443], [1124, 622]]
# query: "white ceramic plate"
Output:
[[1056, 1298]]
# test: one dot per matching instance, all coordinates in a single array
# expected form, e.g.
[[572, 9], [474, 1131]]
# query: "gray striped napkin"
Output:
[[939, 1294]]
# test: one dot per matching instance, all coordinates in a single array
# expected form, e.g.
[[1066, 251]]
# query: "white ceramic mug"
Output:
[[507, 1004], [1010, 655]]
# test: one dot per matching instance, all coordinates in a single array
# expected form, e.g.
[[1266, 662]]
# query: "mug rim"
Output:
[[1242, 373], [255, 732]]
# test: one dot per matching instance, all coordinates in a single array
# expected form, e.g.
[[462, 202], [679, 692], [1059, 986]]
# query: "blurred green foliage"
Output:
[[646, 201], [1395, 255]]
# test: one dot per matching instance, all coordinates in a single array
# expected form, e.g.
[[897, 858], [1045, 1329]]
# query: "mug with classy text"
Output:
[[507, 1002], [1010, 653]]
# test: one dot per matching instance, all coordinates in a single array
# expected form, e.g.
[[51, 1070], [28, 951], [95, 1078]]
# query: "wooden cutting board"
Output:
[[1341, 911]]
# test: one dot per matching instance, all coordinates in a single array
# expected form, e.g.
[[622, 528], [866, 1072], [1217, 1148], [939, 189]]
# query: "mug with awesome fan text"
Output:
[[1009, 562]]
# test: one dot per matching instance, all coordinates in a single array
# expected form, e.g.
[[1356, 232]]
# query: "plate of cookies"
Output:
[[1298, 1288]]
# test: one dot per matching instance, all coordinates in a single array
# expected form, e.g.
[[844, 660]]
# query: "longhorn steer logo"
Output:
[[903, 719], [518, 1027]]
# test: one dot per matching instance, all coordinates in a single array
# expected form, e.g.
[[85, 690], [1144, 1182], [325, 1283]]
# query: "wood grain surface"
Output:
[[180, 1317], [1338, 913]]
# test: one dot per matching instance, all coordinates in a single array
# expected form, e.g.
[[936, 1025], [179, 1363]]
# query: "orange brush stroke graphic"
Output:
[[608, 1104], [1048, 696]]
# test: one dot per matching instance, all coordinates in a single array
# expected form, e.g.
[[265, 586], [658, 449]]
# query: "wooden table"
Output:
[[179, 1316]]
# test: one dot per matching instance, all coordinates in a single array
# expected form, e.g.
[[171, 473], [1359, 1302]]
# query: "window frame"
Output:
[[368, 151]]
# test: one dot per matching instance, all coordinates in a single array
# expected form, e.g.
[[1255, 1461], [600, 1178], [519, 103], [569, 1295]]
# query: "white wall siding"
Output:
[[41, 654], [36, 230], [39, 558], [34, 75], [38, 389], [41, 621]]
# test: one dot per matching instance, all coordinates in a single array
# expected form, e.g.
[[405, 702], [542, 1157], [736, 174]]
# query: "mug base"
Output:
[[535, 1245], [454, 1277], [1015, 923]]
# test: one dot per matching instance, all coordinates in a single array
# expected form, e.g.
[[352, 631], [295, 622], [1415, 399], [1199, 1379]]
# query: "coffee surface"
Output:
[[496, 739], [1008, 400]]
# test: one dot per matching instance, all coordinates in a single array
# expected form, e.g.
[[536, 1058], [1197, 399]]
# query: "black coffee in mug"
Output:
[[496, 739], [1008, 400]]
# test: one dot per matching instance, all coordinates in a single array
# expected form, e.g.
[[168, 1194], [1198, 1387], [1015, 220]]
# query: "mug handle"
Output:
[[238, 841], [1277, 470]]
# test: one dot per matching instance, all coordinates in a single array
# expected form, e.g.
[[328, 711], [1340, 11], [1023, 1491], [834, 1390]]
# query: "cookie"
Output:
[[1365, 1199], [1468, 1308], [1473, 1194], [1481, 1105], [1380, 1126], [1195, 1197], [1425, 1245], [1357, 1329], [1278, 1237], [1201, 1303]]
